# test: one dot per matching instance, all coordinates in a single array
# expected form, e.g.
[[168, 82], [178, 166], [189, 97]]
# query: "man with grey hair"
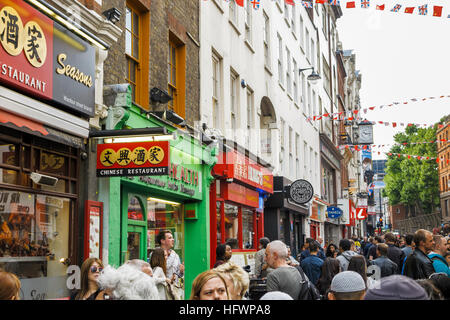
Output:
[[283, 278]]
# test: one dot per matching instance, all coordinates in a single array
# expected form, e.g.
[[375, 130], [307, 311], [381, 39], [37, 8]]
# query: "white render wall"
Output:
[[219, 35]]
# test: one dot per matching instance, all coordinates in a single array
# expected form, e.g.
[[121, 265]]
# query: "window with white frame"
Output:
[[324, 23], [217, 85], [311, 163], [301, 37], [293, 17], [313, 54], [314, 111], [295, 80], [266, 35], [234, 89], [280, 59], [288, 71], [250, 112], [286, 12], [307, 41], [297, 155], [309, 112], [291, 154], [282, 124], [305, 160], [326, 76], [303, 94], [233, 14], [248, 22]]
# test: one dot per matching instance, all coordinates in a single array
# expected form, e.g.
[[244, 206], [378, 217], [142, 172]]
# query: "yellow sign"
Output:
[[108, 157], [155, 155], [15, 37]]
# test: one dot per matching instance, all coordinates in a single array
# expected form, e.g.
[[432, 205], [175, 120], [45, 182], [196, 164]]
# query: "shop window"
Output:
[[135, 209], [231, 225], [248, 228], [34, 236], [176, 73], [162, 215]]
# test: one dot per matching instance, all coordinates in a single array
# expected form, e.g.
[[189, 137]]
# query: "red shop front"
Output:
[[237, 202]]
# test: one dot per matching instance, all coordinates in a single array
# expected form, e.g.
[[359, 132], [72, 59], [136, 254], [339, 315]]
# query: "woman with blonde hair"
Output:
[[90, 270], [209, 285], [9, 286], [237, 279]]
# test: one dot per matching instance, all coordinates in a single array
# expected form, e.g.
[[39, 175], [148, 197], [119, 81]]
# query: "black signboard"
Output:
[[300, 191], [73, 71]]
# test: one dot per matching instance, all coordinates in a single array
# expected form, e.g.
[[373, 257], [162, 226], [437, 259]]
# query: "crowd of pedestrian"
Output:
[[384, 267]]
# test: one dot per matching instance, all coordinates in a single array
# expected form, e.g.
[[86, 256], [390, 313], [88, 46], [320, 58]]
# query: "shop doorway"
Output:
[[136, 247]]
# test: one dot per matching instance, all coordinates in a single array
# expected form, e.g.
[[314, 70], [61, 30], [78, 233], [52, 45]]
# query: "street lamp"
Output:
[[313, 77]]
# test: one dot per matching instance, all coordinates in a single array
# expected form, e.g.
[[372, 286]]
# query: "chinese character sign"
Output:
[[133, 159]]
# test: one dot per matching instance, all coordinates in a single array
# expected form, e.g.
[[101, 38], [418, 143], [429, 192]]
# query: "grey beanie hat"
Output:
[[396, 287], [276, 295], [347, 281]]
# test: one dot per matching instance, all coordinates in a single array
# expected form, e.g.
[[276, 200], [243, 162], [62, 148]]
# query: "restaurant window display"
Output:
[[35, 219], [165, 215]]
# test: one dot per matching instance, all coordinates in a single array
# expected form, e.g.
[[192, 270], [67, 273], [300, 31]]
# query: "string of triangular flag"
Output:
[[365, 4], [359, 147], [350, 114], [409, 156]]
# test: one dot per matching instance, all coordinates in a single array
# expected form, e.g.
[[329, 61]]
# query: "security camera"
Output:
[[43, 179]]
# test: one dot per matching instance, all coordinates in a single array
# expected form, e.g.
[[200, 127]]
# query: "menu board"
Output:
[[93, 229]]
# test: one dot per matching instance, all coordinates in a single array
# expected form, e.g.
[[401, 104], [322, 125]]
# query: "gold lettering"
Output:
[[72, 71], [61, 58]]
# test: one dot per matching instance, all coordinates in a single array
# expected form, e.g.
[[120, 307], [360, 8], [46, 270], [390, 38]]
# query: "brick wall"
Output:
[[398, 212], [178, 17]]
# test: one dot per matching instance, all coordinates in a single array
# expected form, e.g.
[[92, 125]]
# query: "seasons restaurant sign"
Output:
[[41, 58]]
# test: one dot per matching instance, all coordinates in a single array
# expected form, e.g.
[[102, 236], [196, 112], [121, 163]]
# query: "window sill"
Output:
[[301, 48], [287, 22], [281, 86], [249, 45], [293, 33], [279, 7], [296, 105], [219, 6], [267, 68], [290, 96], [234, 27]]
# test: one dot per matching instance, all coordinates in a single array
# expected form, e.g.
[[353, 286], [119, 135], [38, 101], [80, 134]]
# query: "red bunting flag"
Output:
[[320, 1], [291, 2], [380, 7], [437, 12], [394, 124], [355, 111], [240, 2], [350, 4], [409, 10]]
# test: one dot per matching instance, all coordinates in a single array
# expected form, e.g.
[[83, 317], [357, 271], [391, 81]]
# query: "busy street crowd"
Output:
[[385, 267]]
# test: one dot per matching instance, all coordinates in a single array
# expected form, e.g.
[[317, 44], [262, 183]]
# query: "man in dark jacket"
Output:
[[373, 249], [367, 247], [394, 253], [387, 266], [306, 253], [312, 265], [418, 265]]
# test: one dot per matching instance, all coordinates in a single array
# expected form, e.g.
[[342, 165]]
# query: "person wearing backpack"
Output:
[[283, 278], [437, 255], [346, 253]]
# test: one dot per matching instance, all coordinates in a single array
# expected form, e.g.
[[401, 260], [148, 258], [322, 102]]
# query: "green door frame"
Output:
[[129, 225]]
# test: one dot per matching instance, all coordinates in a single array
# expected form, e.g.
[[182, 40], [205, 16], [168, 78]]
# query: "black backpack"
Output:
[[308, 290]]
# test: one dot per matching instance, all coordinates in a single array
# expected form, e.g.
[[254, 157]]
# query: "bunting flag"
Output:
[[240, 3], [380, 146], [291, 2], [365, 4], [335, 3], [380, 7], [409, 156], [255, 4], [351, 4], [437, 11], [409, 9], [307, 4], [396, 8], [423, 10]]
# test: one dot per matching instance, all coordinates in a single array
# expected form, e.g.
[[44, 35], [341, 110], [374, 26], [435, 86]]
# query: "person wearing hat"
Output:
[[397, 287], [347, 285]]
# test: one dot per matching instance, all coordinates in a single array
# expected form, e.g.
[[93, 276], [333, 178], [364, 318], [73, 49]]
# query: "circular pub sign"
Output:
[[300, 191]]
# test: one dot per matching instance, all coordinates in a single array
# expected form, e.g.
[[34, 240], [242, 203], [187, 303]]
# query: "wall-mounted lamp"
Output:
[[112, 15], [313, 77], [243, 84], [158, 95]]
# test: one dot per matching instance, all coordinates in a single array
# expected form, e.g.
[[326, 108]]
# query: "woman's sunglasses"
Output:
[[95, 269]]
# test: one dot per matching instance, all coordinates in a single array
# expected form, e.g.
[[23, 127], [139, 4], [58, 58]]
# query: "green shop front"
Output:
[[137, 207]]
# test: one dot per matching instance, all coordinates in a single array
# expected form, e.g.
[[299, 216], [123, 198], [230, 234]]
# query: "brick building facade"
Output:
[[443, 146], [158, 48]]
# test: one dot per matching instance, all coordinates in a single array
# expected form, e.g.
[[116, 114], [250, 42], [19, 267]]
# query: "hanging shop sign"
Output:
[[334, 212], [300, 191], [133, 159], [240, 194], [237, 166], [44, 59], [361, 213]]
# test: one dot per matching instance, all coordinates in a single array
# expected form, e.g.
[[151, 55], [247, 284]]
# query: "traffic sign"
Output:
[[334, 212], [361, 213]]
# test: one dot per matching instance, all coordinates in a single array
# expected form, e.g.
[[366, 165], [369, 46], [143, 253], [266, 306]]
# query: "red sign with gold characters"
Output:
[[133, 159]]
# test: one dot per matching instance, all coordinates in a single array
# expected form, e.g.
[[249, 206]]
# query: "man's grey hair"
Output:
[[280, 248], [138, 264]]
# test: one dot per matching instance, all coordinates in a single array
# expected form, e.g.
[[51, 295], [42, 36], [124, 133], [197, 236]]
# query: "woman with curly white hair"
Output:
[[128, 282], [237, 279]]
